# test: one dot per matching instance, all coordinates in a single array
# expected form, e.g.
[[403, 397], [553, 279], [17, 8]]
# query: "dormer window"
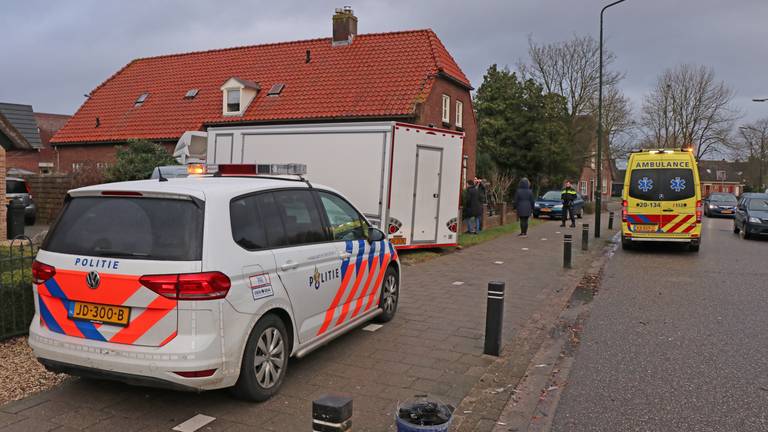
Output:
[[233, 100], [237, 94], [140, 100]]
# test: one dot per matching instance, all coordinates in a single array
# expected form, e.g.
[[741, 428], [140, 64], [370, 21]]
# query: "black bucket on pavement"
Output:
[[423, 414]]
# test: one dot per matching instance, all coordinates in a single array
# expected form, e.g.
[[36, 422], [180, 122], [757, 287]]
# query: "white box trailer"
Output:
[[405, 178]]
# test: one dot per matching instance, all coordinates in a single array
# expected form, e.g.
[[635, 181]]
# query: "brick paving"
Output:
[[433, 346]]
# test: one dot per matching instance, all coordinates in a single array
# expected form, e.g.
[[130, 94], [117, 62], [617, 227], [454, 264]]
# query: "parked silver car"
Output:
[[17, 188]]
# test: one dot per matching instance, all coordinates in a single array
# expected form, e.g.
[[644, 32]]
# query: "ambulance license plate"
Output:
[[106, 314], [398, 241], [646, 228]]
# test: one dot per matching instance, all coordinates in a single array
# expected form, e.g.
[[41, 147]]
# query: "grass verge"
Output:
[[411, 257]]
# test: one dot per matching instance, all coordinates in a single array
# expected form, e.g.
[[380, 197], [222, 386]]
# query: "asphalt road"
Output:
[[675, 341]]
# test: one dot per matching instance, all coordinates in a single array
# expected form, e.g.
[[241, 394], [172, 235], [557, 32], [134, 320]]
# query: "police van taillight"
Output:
[[42, 272], [189, 286], [624, 210]]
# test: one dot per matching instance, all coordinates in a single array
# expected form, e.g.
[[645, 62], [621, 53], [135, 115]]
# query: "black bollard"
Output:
[[567, 243], [494, 318], [332, 414], [610, 220], [585, 237]]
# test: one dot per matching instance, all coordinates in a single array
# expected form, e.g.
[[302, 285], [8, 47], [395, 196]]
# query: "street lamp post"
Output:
[[599, 197]]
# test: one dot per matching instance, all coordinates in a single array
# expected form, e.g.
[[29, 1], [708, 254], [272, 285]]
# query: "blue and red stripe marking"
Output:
[[88, 330]]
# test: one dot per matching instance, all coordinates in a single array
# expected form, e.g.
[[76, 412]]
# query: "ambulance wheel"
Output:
[[693, 247], [390, 294], [625, 244], [265, 361]]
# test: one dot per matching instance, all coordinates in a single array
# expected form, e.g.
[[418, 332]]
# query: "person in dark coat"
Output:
[[472, 207], [524, 204]]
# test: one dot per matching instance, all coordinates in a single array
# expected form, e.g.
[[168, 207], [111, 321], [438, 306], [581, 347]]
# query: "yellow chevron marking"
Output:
[[691, 220], [674, 222]]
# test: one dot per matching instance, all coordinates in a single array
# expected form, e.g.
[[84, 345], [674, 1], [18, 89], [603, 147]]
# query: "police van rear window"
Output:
[[662, 184], [129, 227]]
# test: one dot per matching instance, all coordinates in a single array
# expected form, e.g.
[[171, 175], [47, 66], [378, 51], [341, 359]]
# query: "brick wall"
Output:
[[69, 154], [48, 191], [431, 111]]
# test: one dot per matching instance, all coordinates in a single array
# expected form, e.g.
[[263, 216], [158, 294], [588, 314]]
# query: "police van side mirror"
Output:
[[375, 234]]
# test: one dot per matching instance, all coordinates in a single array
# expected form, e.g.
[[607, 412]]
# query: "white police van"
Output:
[[205, 282]]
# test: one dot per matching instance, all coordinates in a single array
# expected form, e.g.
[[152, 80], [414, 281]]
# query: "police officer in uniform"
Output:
[[568, 196]]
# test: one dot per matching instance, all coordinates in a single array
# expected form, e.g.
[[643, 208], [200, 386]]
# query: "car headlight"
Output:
[[536, 205], [712, 206], [754, 220]]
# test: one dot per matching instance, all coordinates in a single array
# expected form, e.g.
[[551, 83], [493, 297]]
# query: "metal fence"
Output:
[[16, 299]]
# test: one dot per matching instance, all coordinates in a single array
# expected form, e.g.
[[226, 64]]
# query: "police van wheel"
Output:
[[265, 360], [390, 294]]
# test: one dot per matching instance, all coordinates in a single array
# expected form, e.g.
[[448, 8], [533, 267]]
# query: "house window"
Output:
[[77, 166], [459, 114], [102, 165], [584, 187], [605, 186], [446, 109], [141, 99], [592, 162], [233, 100]]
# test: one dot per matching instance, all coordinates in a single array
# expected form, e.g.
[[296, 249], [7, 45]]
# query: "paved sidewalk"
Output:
[[434, 346]]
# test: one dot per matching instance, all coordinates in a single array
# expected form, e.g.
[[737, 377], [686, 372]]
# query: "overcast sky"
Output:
[[55, 51]]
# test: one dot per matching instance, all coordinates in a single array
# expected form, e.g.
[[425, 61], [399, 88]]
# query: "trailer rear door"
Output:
[[426, 194]]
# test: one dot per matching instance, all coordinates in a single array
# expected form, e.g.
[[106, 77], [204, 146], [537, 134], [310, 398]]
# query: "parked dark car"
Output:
[[720, 204], [551, 205], [751, 217], [17, 188]]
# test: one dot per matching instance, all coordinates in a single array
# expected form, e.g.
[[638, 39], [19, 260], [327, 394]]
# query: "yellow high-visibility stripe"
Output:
[[674, 222]]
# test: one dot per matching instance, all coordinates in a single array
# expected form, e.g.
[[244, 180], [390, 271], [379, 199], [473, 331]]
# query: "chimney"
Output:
[[344, 26]]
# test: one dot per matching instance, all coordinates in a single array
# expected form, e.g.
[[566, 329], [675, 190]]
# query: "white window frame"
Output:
[[239, 101], [605, 186], [459, 113], [446, 108], [584, 186]]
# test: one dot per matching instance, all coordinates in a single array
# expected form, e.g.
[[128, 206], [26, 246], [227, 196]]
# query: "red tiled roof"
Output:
[[378, 75]]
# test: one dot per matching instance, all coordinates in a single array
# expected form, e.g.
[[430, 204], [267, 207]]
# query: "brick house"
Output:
[[586, 141], [722, 176], [404, 76], [37, 130]]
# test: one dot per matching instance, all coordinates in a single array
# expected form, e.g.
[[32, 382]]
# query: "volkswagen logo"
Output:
[[93, 280]]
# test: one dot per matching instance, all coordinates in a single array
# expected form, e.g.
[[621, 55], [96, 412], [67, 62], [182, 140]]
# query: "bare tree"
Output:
[[752, 148], [571, 69], [689, 108], [618, 123]]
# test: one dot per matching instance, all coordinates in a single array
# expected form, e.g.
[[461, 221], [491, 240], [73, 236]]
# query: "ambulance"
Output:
[[206, 282], [661, 199]]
